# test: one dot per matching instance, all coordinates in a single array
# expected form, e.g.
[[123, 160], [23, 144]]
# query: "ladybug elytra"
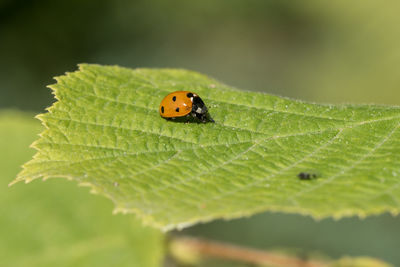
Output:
[[183, 104]]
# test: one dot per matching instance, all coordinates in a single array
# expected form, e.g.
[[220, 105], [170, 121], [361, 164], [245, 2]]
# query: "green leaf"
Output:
[[104, 131], [58, 224]]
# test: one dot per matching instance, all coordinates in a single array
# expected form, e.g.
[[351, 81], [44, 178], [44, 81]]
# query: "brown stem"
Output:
[[226, 251]]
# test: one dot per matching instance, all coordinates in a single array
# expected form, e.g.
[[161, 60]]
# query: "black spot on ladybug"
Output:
[[162, 109], [177, 109], [307, 176], [189, 95], [174, 98]]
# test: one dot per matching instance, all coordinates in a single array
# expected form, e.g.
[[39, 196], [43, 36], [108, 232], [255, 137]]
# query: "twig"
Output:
[[207, 248]]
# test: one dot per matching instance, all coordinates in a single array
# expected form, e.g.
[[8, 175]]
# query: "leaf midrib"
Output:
[[126, 152]]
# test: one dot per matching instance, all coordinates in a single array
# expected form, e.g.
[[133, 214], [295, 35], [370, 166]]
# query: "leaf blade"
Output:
[[105, 130]]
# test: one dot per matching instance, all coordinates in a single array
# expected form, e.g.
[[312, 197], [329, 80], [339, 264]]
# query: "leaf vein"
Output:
[[349, 168]]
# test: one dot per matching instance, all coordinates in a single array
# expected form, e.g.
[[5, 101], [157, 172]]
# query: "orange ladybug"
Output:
[[183, 104]]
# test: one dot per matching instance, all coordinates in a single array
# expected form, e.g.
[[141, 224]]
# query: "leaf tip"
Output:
[[13, 182], [21, 176]]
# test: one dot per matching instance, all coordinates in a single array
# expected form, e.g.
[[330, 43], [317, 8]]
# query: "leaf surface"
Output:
[[104, 131]]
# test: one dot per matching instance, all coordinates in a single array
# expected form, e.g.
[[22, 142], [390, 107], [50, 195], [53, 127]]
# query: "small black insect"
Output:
[[307, 176]]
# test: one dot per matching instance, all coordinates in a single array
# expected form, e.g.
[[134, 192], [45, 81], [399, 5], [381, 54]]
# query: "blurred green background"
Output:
[[325, 51], [322, 51]]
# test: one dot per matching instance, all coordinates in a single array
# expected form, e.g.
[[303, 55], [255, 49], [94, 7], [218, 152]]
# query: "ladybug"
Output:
[[182, 105]]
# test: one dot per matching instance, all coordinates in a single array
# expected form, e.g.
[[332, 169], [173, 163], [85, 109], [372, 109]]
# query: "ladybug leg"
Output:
[[188, 118], [206, 118]]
